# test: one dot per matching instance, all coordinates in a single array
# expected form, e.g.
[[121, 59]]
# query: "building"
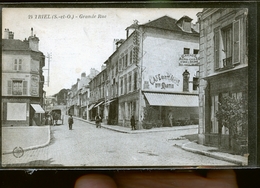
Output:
[[98, 94], [22, 80], [223, 71], [155, 67], [79, 95]]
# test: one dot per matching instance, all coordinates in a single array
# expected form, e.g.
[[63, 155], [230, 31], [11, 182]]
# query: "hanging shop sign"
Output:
[[189, 60]]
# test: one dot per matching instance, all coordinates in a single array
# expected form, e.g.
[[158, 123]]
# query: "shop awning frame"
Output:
[[37, 108], [98, 104], [91, 106], [172, 99]]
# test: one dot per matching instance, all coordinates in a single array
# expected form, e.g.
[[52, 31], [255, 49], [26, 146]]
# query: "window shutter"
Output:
[[216, 48], [24, 87], [236, 39], [9, 87]]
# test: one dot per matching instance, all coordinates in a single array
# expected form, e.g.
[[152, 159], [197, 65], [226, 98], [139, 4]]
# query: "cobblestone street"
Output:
[[88, 146]]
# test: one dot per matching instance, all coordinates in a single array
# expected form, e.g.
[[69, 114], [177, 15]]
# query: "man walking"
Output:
[[70, 121], [98, 121]]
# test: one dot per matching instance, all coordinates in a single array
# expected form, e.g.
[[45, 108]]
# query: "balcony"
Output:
[[227, 63]]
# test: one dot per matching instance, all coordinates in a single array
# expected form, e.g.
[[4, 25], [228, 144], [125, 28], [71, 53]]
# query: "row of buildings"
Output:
[[170, 67], [156, 66]]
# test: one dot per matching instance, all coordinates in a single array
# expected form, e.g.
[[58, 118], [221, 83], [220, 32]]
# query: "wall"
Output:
[[161, 58]]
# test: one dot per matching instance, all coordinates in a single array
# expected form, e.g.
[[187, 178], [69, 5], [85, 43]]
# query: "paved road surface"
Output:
[[86, 145]]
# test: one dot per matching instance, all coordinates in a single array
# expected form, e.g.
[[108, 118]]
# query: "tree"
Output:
[[232, 113]]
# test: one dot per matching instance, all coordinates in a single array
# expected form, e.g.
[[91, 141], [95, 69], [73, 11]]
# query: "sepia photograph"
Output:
[[124, 87]]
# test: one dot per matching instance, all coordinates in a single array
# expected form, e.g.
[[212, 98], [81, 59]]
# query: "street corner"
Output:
[[16, 139]]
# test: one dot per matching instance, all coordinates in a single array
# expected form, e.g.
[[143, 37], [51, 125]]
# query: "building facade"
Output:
[[98, 94], [22, 81], [223, 70], [155, 67]]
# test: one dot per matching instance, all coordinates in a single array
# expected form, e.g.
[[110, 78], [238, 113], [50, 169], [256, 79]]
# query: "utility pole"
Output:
[[49, 56]]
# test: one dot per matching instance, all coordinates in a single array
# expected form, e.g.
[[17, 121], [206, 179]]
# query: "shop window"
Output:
[[227, 46], [186, 77], [214, 109], [186, 51]]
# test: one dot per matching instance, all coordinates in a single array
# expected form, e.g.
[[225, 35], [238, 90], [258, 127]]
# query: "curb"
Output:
[[216, 156], [34, 147], [131, 132]]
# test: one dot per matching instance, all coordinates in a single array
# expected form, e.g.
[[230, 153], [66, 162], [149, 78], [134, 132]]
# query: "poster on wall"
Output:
[[116, 68], [16, 111]]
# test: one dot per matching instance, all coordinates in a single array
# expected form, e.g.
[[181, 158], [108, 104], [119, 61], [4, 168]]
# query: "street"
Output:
[[88, 146]]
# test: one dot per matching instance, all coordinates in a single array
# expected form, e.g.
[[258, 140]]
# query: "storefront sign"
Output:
[[189, 60], [164, 78], [162, 81]]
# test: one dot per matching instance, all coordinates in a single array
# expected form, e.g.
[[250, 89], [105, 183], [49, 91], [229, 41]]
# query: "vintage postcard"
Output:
[[124, 87]]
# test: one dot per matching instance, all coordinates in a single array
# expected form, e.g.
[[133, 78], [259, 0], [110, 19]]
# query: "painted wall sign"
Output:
[[34, 85], [189, 60], [163, 78]]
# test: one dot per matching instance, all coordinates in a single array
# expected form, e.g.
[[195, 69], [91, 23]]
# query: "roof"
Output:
[[14, 44], [166, 23]]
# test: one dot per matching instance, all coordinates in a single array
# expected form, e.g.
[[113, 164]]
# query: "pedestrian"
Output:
[[98, 121], [70, 121], [133, 122], [170, 116]]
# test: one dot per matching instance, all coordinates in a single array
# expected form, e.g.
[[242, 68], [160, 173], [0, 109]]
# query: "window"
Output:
[[121, 86], [125, 87], [195, 51], [131, 57], [130, 83], [17, 87], [186, 77], [186, 51], [17, 65], [227, 46], [135, 80], [214, 109]]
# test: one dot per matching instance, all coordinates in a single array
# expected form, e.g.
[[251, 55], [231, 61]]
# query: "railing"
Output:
[[227, 62]]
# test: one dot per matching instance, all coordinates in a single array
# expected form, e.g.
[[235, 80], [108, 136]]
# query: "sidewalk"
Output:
[[188, 146], [26, 138]]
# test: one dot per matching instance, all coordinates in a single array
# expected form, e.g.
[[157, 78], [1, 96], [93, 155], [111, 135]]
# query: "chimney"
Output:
[[33, 41], [11, 35], [115, 44], [6, 34], [103, 67], [83, 74]]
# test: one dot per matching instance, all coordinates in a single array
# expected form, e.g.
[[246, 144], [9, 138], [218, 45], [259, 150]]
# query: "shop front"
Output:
[[170, 109], [218, 89]]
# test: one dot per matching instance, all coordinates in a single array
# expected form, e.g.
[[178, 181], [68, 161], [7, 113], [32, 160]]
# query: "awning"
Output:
[[176, 100], [38, 108], [91, 106], [99, 104], [108, 102]]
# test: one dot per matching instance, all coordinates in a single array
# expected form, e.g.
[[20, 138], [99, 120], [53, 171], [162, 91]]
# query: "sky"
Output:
[[78, 39]]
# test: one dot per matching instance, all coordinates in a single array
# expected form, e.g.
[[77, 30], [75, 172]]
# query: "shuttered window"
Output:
[[24, 87], [9, 89], [216, 48], [236, 39]]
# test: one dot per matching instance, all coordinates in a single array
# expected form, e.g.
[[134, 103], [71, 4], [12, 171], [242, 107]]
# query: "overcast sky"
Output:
[[78, 38]]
